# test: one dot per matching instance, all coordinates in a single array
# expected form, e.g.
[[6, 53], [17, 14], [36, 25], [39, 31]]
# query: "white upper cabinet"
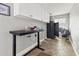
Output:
[[45, 15], [38, 12], [26, 9], [32, 10]]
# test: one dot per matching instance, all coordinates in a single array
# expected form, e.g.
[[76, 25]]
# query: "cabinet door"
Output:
[[32, 10], [26, 9], [34, 37], [45, 15], [36, 11]]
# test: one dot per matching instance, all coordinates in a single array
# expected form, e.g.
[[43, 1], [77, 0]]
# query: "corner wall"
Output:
[[74, 27]]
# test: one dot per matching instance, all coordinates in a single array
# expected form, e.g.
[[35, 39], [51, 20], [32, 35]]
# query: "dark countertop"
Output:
[[24, 32]]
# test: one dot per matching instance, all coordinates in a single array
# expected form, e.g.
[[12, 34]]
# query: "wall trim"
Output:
[[28, 49], [73, 47]]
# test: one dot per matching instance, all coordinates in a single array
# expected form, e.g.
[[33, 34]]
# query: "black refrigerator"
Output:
[[52, 29], [56, 29]]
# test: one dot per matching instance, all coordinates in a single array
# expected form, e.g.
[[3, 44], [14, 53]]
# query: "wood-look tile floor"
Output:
[[54, 47]]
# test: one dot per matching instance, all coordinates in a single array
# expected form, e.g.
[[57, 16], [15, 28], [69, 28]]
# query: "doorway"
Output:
[[62, 26]]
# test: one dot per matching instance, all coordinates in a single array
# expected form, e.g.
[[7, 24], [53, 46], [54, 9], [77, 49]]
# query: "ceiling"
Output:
[[57, 8]]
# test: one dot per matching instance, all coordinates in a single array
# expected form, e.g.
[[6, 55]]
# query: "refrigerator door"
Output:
[[56, 29]]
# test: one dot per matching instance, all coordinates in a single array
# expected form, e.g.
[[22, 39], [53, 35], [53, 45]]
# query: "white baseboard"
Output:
[[27, 49], [74, 47]]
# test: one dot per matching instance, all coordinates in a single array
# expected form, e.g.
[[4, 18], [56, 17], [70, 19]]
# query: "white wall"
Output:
[[74, 26], [8, 23], [62, 16], [57, 8]]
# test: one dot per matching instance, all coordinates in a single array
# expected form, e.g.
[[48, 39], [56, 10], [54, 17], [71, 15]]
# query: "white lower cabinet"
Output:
[[26, 41]]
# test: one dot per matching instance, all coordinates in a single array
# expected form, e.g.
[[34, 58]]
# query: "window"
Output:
[[62, 22]]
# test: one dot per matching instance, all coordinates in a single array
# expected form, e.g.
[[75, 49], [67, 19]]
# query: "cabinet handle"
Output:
[[29, 36], [35, 35]]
